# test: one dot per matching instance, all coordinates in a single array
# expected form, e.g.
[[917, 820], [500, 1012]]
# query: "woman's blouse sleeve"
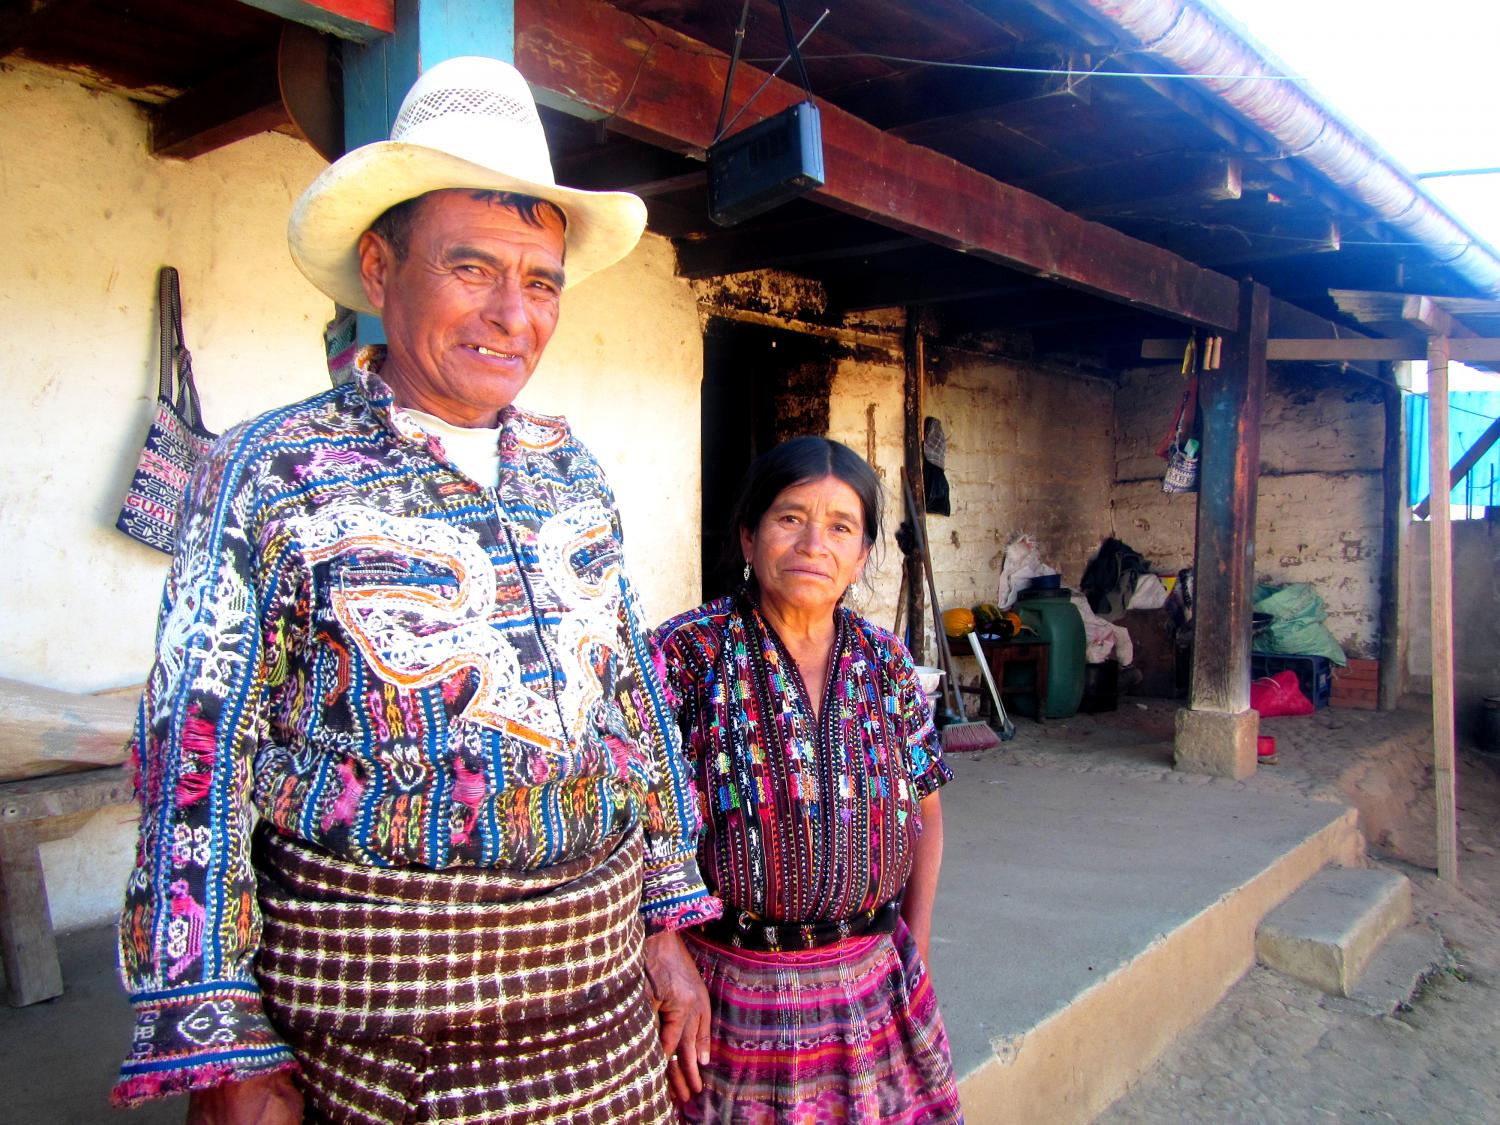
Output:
[[924, 747]]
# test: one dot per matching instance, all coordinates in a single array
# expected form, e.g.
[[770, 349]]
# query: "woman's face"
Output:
[[809, 546]]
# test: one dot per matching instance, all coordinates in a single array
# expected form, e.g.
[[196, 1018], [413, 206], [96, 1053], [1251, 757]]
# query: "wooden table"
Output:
[[1025, 651]]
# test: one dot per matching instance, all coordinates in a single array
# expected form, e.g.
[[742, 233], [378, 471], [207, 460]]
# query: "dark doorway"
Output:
[[760, 386]]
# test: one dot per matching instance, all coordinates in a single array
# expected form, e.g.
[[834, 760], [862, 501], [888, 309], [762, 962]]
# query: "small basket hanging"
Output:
[[1182, 470]]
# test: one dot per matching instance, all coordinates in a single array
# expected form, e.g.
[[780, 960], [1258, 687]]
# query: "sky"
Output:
[[1416, 76]]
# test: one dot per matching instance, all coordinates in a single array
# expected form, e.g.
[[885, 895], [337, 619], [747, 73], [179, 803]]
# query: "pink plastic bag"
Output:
[[1279, 695]]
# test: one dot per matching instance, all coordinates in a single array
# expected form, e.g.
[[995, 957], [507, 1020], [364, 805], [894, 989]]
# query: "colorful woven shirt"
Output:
[[807, 820], [380, 657]]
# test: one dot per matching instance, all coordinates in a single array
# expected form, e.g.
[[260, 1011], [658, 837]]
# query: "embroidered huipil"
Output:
[[375, 654], [807, 820]]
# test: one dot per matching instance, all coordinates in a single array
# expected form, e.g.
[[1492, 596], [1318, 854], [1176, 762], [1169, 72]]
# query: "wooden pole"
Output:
[[912, 403], [1396, 519], [1442, 611], [1231, 399]]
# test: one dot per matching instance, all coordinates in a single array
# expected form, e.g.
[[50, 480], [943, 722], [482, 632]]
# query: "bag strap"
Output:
[[175, 380]]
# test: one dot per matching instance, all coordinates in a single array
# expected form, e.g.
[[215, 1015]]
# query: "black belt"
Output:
[[744, 931]]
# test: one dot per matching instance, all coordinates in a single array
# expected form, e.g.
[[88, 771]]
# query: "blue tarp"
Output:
[[1469, 415]]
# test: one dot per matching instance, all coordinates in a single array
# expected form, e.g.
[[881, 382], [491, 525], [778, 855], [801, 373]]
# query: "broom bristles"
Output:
[[975, 735]]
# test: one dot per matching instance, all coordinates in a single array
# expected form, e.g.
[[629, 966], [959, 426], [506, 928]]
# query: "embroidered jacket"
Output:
[[807, 820], [373, 653]]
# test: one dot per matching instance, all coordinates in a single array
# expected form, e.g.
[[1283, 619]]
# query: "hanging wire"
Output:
[[784, 60], [1048, 71]]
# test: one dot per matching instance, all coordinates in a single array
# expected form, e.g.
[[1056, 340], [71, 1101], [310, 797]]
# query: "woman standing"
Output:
[[818, 766]]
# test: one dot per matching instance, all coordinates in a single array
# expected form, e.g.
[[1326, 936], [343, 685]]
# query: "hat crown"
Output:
[[478, 109]]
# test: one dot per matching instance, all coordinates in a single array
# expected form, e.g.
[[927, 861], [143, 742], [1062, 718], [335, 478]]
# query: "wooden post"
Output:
[[378, 74], [1442, 610], [1216, 734], [913, 403], [1396, 519]]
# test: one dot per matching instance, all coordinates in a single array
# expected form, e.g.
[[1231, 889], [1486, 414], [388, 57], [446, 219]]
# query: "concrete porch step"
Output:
[[1327, 933], [1399, 969], [1086, 920]]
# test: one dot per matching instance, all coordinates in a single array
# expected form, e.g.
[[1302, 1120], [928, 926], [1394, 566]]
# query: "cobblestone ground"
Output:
[[1276, 1050]]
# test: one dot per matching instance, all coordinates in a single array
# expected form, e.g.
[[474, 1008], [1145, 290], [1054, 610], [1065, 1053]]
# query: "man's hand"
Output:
[[681, 1004], [271, 1099]]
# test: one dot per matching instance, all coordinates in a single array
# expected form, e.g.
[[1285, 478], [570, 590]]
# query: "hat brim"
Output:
[[351, 193]]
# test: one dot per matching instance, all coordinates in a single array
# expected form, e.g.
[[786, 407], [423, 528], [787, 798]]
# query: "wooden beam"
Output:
[[1289, 321], [240, 102], [589, 59], [22, 19], [1231, 399], [897, 282], [1352, 349], [1023, 115], [789, 246], [1442, 618], [362, 21], [1148, 184]]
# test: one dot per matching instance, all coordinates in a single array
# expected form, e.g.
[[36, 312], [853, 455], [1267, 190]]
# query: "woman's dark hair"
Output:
[[798, 461]]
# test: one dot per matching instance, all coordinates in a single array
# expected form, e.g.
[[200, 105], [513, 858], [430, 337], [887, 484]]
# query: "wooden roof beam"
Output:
[[1349, 349], [788, 246], [360, 20], [1163, 181], [649, 82], [240, 102], [21, 19]]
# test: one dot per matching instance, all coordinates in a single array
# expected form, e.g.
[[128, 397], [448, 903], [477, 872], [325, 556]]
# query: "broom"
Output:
[[960, 735]]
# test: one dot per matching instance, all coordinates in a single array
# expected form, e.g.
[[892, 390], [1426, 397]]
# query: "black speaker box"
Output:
[[766, 165]]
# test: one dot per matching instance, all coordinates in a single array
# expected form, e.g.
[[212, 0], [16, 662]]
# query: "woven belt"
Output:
[[744, 931]]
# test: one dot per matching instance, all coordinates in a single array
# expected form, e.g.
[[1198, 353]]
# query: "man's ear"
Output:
[[375, 261]]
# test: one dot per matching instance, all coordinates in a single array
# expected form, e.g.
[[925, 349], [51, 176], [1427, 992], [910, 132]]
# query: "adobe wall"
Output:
[[1476, 617], [1320, 503], [90, 218], [1028, 450]]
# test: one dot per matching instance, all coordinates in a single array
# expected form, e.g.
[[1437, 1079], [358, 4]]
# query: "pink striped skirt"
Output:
[[849, 1033]]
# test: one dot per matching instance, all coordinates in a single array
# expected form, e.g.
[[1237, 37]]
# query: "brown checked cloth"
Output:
[[466, 995]]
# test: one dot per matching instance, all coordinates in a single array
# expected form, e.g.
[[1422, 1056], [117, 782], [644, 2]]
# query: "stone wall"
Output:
[[1319, 510]]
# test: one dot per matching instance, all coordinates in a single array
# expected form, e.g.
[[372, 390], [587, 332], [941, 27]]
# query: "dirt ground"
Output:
[[1277, 1050]]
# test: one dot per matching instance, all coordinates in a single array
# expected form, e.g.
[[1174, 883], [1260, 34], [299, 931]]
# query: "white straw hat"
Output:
[[468, 122]]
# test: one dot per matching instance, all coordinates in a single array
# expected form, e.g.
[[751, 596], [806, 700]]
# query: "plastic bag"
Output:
[[1149, 593], [1279, 695], [1022, 563], [1297, 627]]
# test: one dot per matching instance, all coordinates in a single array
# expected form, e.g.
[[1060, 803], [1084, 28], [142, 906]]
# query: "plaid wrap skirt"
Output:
[[846, 1034], [461, 996]]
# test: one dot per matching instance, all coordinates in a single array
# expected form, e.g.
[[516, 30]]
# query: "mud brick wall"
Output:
[[1476, 616], [1319, 512], [1028, 450]]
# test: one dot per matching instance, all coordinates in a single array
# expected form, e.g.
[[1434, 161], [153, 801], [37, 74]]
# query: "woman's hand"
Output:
[[270, 1099], [921, 887], [681, 1002]]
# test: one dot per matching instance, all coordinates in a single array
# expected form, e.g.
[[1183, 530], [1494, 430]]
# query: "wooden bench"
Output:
[[31, 813]]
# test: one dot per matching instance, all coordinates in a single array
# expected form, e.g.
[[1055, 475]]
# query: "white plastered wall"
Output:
[[89, 217], [1321, 496], [1028, 450]]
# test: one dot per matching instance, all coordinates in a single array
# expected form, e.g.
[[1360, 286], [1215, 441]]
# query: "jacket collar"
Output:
[[521, 430]]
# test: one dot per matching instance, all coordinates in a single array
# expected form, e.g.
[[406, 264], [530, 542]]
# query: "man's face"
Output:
[[470, 308]]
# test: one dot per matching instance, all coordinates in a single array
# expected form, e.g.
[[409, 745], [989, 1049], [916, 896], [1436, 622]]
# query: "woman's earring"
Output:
[[746, 576]]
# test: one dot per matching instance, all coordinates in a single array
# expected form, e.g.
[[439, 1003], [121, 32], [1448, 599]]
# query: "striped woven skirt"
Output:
[[461, 996], [846, 1033]]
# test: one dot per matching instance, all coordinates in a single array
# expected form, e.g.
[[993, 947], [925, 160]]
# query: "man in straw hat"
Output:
[[411, 808]]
